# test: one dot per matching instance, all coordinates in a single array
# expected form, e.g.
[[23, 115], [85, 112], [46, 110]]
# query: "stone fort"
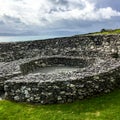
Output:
[[59, 70]]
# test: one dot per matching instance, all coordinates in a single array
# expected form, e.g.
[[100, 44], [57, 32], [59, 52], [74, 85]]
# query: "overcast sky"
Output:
[[57, 17]]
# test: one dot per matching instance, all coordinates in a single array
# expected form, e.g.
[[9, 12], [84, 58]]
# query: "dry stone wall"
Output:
[[96, 56], [54, 61], [63, 87], [91, 46]]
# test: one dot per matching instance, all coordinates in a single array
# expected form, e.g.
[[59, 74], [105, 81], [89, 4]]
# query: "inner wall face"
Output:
[[57, 69], [53, 65]]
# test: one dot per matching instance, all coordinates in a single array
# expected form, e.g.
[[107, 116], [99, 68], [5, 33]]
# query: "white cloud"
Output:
[[46, 12]]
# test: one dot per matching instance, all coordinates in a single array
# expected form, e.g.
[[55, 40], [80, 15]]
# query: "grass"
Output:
[[107, 32], [103, 32], [105, 107]]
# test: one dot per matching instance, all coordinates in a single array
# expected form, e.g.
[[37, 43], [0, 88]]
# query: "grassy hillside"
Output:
[[105, 32], [105, 107]]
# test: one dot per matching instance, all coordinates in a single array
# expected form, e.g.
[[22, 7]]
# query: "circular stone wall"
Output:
[[23, 76], [64, 87], [47, 64]]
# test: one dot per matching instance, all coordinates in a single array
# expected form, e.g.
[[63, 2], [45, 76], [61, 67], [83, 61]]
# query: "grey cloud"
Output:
[[12, 19], [1, 22], [62, 2]]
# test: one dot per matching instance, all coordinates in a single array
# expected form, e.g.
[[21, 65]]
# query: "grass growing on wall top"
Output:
[[106, 107]]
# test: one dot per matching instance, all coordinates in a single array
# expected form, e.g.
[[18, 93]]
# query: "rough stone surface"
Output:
[[64, 87], [97, 59]]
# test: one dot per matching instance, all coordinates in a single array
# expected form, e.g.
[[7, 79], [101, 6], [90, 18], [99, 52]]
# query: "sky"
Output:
[[57, 17]]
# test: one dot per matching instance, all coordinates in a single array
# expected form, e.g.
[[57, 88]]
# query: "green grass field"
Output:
[[104, 107]]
